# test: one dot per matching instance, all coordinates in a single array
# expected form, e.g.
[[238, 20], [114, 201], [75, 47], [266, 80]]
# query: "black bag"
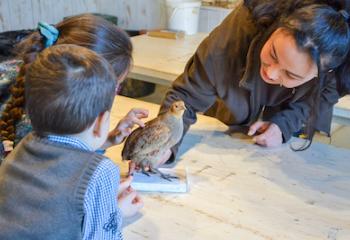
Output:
[[8, 40]]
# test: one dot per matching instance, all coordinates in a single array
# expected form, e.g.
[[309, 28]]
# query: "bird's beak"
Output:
[[184, 107]]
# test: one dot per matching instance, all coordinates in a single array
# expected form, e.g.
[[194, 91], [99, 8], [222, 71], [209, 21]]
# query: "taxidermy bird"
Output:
[[146, 146]]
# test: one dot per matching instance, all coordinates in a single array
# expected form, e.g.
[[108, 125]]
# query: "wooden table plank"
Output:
[[161, 60], [241, 191]]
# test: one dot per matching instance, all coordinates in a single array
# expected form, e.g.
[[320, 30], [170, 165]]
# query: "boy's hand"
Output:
[[125, 125], [128, 199], [270, 134]]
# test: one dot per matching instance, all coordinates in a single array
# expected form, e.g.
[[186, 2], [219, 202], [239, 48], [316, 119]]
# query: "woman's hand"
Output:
[[125, 125], [128, 199], [269, 134]]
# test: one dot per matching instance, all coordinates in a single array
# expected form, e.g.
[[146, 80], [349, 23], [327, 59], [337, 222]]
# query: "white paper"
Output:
[[155, 183]]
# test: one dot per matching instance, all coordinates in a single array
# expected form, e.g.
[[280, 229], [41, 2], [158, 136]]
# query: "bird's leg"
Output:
[[146, 164], [143, 170], [163, 175], [151, 170]]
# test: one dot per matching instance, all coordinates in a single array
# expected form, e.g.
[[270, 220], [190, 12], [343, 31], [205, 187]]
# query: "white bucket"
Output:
[[183, 15]]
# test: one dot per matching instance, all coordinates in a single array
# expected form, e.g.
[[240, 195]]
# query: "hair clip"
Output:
[[49, 32]]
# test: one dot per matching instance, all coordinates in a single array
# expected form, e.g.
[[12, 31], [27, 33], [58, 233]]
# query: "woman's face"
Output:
[[282, 63]]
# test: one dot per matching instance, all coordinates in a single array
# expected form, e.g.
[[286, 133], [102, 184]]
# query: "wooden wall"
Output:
[[132, 14]]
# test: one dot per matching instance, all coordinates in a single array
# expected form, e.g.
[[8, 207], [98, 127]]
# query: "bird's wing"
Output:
[[146, 140]]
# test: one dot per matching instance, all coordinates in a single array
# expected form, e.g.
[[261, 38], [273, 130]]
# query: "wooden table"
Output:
[[341, 111], [242, 191], [160, 60]]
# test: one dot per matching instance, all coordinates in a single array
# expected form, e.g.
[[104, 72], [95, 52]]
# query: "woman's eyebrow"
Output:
[[290, 73], [295, 75]]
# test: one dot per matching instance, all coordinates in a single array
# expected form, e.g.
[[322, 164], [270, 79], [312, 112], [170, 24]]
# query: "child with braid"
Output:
[[84, 30], [54, 185]]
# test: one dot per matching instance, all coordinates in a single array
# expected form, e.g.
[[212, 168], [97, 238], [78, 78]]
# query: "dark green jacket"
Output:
[[222, 79]]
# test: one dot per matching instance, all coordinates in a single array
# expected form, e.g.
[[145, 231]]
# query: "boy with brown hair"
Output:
[[54, 185]]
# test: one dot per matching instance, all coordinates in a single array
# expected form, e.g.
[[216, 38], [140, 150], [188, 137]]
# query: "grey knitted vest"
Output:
[[42, 188]]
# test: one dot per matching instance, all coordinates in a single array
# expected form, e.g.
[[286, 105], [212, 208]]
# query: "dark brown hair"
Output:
[[85, 30], [318, 26], [66, 88]]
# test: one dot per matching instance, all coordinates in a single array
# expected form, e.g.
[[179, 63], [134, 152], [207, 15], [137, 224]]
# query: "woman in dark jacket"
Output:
[[266, 55]]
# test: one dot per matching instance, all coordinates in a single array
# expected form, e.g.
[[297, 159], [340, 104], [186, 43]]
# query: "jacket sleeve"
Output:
[[329, 97], [292, 116]]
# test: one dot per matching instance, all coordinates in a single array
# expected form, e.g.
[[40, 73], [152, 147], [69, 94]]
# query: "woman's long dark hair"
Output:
[[319, 27]]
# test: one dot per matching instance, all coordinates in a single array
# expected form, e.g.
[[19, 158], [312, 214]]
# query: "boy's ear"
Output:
[[98, 125]]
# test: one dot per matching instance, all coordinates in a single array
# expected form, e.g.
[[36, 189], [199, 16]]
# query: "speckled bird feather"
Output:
[[148, 144]]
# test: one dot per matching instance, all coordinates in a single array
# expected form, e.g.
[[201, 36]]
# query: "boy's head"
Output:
[[67, 88]]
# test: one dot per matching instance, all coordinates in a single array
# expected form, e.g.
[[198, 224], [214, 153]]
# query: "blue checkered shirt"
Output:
[[103, 219]]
